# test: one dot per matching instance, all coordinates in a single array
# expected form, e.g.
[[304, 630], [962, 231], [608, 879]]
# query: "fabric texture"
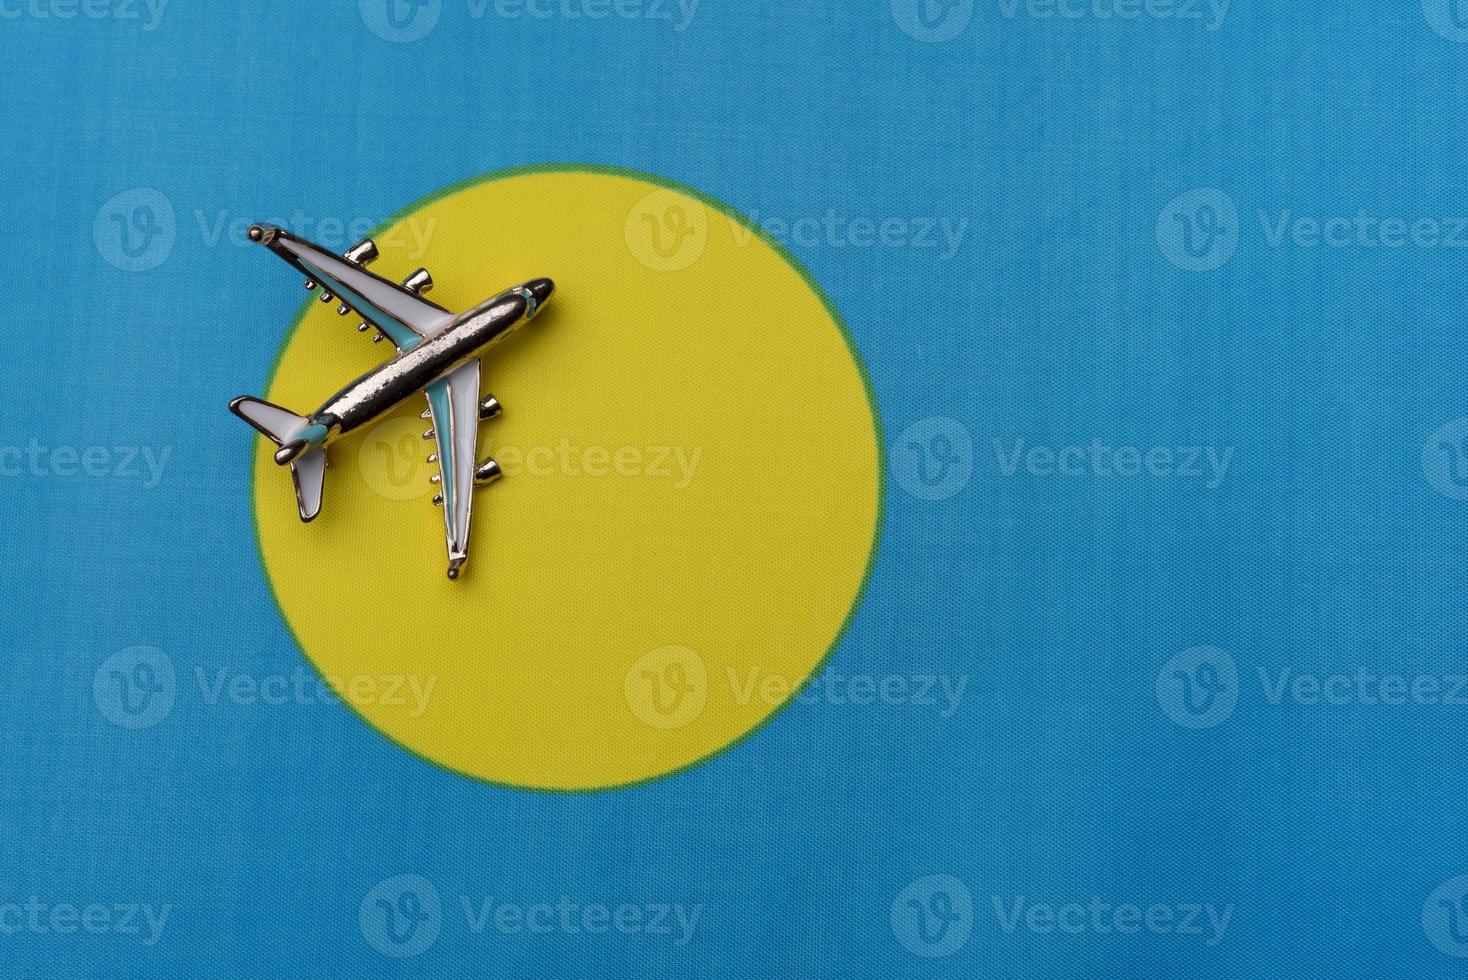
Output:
[[1162, 653]]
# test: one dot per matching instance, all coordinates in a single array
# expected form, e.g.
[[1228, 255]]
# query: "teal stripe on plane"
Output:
[[399, 333], [438, 400], [314, 435]]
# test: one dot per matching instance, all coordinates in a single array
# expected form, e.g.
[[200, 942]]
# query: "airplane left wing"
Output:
[[453, 404], [398, 311]]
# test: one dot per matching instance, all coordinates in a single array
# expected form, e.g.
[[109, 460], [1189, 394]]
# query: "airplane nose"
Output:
[[534, 293]]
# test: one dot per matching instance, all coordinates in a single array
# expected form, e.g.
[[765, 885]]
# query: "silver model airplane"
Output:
[[438, 355]]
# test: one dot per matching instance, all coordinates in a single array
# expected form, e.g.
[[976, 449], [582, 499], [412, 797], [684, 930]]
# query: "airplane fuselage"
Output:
[[383, 389]]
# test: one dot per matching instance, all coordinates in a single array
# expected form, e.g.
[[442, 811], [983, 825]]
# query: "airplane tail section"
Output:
[[299, 443], [279, 425], [309, 473]]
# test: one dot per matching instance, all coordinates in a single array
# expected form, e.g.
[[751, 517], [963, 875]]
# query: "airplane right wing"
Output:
[[398, 311], [453, 404]]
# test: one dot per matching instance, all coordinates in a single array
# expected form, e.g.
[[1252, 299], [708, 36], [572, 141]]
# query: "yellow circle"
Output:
[[692, 495]]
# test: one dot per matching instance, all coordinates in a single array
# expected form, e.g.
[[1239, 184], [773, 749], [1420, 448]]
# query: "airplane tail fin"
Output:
[[284, 428], [309, 473]]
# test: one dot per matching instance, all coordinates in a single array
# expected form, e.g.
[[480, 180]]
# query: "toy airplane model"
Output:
[[438, 355]]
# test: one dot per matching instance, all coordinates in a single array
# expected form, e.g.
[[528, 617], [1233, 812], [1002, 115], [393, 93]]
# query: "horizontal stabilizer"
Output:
[[279, 425]]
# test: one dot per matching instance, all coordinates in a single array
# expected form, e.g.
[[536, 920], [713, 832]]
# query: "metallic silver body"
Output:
[[437, 355], [383, 389]]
